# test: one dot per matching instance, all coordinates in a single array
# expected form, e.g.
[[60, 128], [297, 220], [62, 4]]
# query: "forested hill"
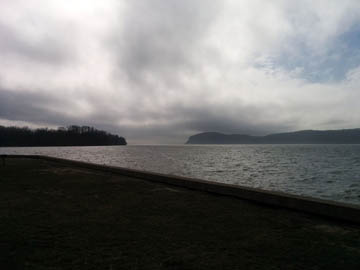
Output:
[[70, 136], [344, 136]]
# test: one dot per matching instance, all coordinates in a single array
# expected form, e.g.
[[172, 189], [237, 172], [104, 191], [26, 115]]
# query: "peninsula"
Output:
[[64, 136], [344, 136]]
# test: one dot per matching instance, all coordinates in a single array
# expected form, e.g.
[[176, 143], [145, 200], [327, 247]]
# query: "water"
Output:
[[324, 171]]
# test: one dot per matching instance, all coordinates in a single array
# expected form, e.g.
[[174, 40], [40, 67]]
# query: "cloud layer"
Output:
[[158, 71]]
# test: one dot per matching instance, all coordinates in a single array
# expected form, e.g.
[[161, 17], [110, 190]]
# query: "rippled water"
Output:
[[324, 171]]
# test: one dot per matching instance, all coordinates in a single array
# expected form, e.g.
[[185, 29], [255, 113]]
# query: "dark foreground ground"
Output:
[[59, 217]]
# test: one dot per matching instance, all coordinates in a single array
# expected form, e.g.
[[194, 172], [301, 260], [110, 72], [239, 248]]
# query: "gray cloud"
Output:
[[32, 107], [160, 38], [47, 50], [19, 105], [158, 71]]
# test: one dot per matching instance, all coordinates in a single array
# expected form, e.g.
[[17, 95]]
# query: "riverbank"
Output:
[[58, 216]]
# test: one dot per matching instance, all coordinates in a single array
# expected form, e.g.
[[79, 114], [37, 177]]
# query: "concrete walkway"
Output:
[[57, 216]]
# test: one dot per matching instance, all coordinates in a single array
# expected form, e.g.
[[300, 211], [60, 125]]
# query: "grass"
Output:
[[54, 216]]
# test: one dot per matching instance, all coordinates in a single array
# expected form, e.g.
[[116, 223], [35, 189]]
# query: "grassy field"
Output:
[[54, 216]]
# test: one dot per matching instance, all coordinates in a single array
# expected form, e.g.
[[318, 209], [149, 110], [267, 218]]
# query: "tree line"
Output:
[[64, 136]]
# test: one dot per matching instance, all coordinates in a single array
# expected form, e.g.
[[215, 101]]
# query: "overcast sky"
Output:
[[157, 71]]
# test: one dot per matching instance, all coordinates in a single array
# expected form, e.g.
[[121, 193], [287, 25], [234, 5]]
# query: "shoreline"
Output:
[[326, 208], [59, 214]]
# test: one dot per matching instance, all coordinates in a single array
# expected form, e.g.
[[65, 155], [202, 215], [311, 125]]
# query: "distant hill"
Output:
[[344, 136], [70, 136]]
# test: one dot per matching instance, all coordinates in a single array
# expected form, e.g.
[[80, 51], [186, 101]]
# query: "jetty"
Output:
[[62, 214]]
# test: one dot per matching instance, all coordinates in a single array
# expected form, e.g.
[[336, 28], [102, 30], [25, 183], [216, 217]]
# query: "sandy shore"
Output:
[[55, 216]]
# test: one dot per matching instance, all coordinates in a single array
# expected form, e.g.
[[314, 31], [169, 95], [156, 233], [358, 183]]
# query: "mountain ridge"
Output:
[[340, 136]]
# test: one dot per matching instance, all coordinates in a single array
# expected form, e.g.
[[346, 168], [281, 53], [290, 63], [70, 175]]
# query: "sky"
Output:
[[158, 71]]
